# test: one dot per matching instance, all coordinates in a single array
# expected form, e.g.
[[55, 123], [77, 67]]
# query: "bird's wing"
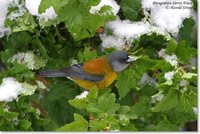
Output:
[[76, 71]]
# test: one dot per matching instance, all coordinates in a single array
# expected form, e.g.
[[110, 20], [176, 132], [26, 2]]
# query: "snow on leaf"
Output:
[[10, 89], [146, 79], [172, 59], [167, 19], [124, 32], [4, 4], [82, 95], [29, 59], [169, 75], [33, 7], [28, 89], [111, 3]]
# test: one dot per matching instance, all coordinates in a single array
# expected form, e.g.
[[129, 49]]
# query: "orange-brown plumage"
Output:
[[99, 66]]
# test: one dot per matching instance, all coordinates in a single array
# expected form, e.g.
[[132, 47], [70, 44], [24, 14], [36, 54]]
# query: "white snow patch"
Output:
[[183, 83], [10, 89], [27, 58], [127, 29], [21, 10], [33, 6], [109, 41], [169, 75], [146, 79], [172, 59], [157, 97], [4, 4], [82, 95], [112, 3], [124, 32], [163, 16]]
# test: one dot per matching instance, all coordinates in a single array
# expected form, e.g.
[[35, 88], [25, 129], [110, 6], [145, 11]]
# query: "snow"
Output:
[[109, 41], [157, 97], [4, 4], [82, 95], [112, 3], [169, 75], [10, 89], [20, 11], [27, 58], [146, 79], [183, 83], [164, 17], [127, 29], [172, 59], [124, 32], [33, 6]]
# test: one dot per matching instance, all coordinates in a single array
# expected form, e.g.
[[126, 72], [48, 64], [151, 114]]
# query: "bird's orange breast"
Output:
[[99, 66]]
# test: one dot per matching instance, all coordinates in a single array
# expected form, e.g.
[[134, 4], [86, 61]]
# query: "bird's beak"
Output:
[[131, 58]]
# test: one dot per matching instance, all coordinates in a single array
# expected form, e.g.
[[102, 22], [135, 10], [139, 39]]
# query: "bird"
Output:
[[99, 72]]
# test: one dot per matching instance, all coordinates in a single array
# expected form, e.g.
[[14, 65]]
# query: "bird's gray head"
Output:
[[119, 60]]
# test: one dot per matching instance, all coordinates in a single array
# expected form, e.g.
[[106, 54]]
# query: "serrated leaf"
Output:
[[185, 32], [142, 107], [56, 103], [45, 4], [169, 101], [125, 82], [131, 9], [28, 89], [105, 104], [165, 125], [79, 124], [185, 53], [171, 47], [25, 124], [80, 23], [78, 103], [98, 125]]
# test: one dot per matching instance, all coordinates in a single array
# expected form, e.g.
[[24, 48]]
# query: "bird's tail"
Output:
[[52, 73]]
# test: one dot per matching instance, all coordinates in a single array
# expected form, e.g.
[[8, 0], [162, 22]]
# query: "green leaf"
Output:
[[129, 127], [185, 32], [171, 47], [28, 89], [86, 55], [185, 53], [25, 22], [128, 112], [187, 102], [131, 9], [75, 14], [78, 103], [79, 124], [165, 125], [45, 4], [25, 124], [125, 82], [105, 104], [169, 101], [142, 107], [143, 64], [56, 103], [98, 125]]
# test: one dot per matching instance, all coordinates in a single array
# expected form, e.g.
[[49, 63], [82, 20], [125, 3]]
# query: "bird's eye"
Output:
[[124, 60]]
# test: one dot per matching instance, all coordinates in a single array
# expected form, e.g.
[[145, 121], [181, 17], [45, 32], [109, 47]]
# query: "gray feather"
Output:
[[75, 71]]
